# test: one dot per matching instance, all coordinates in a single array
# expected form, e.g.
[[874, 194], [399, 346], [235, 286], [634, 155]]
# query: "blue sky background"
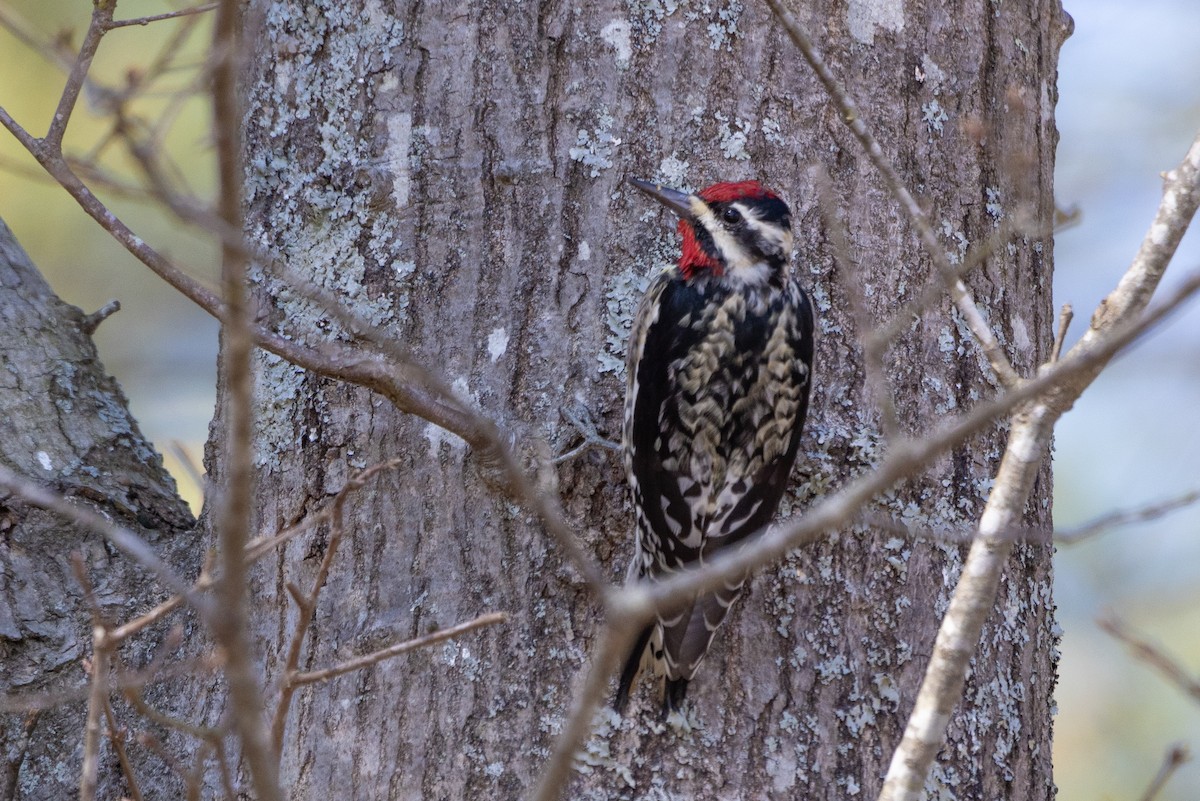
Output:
[[1129, 107]]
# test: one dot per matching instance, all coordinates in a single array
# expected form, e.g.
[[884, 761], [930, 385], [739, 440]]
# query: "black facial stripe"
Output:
[[767, 213], [705, 240]]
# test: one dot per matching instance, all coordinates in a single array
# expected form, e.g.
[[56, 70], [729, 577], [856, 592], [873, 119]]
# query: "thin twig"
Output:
[[1124, 517], [905, 458], [183, 12], [101, 17], [614, 643], [854, 121], [31, 702], [204, 733], [398, 381], [1064, 322], [851, 280], [393, 372], [409, 385], [307, 605], [193, 780], [366, 660], [1176, 756], [91, 172], [57, 166], [193, 471], [638, 604], [884, 335], [226, 773], [133, 695], [1152, 655], [92, 321], [17, 752], [98, 669], [116, 736], [581, 420], [121, 538], [28, 35], [155, 746]]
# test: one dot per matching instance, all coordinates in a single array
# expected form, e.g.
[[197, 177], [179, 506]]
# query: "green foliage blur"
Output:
[[160, 347]]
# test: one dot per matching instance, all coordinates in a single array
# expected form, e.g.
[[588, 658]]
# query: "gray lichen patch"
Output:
[[595, 148], [622, 294]]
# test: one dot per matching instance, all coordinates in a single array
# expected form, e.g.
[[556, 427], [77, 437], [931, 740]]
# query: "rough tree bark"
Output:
[[64, 423], [456, 177]]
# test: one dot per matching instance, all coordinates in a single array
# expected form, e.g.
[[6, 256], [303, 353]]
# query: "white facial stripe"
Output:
[[741, 265], [777, 236], [737, 259]]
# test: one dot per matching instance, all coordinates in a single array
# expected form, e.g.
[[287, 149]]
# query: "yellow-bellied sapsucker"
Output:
[[720, 360]]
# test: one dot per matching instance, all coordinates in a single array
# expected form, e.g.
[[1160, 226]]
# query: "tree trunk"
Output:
[[457, 178], [65, 423]]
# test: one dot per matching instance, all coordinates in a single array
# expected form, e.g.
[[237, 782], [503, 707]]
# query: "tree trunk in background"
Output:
[[455, 173], [65, 423]]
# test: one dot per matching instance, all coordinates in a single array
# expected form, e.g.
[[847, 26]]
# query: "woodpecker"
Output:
[[717, 383]]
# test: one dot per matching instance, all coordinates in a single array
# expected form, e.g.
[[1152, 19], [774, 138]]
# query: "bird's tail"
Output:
[[633, 667], [676, 646], [686, 639]]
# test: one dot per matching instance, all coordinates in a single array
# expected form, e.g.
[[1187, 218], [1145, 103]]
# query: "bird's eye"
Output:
[[731, 215]]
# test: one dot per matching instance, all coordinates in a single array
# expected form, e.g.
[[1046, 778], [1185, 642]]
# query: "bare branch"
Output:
[[116, 736], [307, 605], [1176, 756], [92, 321], [854, 121], [1064, 322], [883, 336], [1124, 517], [366, 660], [97, 668], [233, 520], [183, 12], [874, 349], [28, 35], [189, 465], [31, 702], [400, 381], [614, 642], [54, 163], [101, 17], [1153, 656], [905, 458], [635, 605], [97, 698]]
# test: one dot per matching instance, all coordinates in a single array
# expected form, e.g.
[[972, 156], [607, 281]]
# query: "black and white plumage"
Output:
[[719, 369]]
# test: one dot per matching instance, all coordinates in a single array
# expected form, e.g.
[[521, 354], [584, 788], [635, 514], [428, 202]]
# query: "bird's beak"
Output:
[[673, 199]]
